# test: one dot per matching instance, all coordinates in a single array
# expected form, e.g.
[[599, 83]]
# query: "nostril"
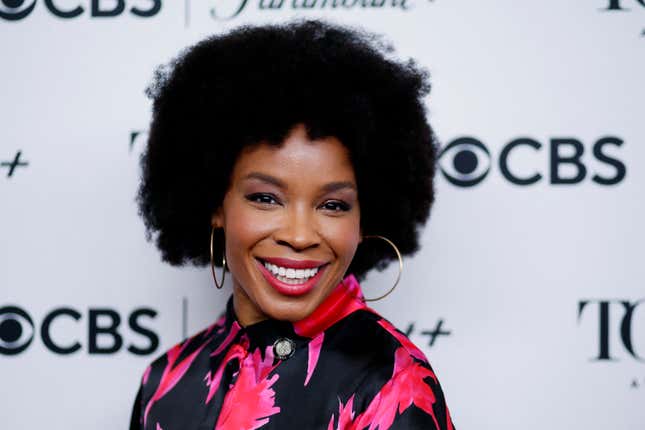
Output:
[[299, 243]]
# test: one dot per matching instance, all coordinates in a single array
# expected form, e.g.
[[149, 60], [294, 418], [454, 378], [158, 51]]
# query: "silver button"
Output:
[[283, 348]]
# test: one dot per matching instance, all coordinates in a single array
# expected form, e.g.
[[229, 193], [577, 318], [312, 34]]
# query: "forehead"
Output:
[[298, 160]]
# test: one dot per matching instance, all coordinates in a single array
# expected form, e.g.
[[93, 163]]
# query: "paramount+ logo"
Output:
[[15, 10], [467, 161], [98, 331]]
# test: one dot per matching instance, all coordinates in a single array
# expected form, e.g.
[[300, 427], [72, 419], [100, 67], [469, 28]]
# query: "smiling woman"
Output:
[[287, 146]]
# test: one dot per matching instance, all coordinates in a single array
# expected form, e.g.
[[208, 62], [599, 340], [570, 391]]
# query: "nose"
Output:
[[298, 230]]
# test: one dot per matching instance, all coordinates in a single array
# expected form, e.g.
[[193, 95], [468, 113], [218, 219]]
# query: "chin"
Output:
[[292, 308], [289, 309]]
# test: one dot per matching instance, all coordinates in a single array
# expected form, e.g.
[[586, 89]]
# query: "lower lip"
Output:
[[290, 289]]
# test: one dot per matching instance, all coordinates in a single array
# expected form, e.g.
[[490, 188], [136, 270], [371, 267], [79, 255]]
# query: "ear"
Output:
[[217, 219]]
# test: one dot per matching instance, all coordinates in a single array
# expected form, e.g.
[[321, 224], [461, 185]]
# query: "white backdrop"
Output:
[[537, 285]]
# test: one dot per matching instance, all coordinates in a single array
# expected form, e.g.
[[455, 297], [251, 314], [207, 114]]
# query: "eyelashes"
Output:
[[262, 198], [336, 206], [268, 200]]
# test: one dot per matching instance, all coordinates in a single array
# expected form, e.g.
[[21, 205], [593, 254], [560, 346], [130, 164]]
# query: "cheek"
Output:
[[242, 231], [343, 238]]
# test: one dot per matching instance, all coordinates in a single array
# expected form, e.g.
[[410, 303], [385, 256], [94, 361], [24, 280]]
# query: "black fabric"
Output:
[[135, 417], [351, 369]]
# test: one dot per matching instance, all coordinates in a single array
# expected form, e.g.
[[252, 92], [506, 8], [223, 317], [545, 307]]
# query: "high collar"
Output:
[[346, 298]]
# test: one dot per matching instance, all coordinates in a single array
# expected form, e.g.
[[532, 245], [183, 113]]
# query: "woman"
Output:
[[292, 151]]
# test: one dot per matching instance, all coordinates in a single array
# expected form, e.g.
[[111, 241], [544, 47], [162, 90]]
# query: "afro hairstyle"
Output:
[[253, 84]]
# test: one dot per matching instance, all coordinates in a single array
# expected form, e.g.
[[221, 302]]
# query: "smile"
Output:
[[291, 277]]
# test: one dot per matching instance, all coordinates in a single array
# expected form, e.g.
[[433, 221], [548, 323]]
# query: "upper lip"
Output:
[[293, 264]]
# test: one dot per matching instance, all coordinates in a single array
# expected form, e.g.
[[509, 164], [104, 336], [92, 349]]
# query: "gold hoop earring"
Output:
[[398, 254], [217, 284]]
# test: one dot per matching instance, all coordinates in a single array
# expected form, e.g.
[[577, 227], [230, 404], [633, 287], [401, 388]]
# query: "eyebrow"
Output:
[[328, 188], [266, 178], [335, 186]]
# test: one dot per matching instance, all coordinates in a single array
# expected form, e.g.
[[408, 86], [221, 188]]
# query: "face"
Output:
[[291, 221]]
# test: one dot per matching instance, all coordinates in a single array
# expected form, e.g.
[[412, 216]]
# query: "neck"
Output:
[[246, 313]]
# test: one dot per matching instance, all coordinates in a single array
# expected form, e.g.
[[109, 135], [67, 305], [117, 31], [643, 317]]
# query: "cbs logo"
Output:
[[104, 331], [466, 161], [14, 10]]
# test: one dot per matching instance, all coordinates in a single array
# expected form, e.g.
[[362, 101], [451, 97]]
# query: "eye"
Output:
[[16, 330], [262, 198], [335, 206], [13, 10], [465, 162]]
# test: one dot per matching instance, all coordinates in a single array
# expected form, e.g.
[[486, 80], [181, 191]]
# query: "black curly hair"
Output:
[[254, 84]]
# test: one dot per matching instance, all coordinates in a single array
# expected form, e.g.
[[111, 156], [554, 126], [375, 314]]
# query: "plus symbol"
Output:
[[436, 332], [13, 164], [408, 331]]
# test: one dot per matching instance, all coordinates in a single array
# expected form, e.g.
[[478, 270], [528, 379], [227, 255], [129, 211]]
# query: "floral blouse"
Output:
[[342, 367]]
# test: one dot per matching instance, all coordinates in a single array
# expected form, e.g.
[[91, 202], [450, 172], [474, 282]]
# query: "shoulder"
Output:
[[181, 354], [165, 370], [189, 344], [372, 347], [401, 390], [379, 335]]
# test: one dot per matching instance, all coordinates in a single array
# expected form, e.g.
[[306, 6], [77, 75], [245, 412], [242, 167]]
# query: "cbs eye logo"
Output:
[[15, 10], [466, 161], [16, 330]]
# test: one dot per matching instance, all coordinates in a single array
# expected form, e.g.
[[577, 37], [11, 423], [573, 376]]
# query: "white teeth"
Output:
[[291, 276]]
